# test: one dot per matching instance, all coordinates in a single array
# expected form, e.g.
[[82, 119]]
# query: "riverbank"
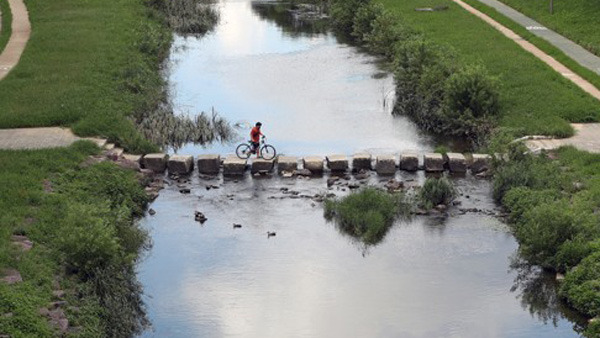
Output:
[[68, 237], [534, 99], [552, 203], [100, 70]]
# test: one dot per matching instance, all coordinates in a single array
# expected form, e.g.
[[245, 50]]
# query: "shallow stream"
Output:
[[433, 276]]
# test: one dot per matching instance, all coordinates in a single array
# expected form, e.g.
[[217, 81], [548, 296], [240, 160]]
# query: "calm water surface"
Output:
[[430, 277], [312, 94]]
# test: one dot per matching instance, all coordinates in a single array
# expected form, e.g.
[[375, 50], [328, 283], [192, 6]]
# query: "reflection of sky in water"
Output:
[[312, 94], [426, 279]]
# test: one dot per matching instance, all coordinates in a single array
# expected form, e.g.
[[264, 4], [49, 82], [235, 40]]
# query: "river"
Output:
[[432, 276]]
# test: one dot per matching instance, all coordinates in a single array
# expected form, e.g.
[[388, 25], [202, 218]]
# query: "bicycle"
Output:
[[265, 151]]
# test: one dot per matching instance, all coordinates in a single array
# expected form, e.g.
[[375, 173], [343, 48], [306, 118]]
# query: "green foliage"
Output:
[[543, 230], [436, 191], [442, 149], [362, 23], [581, 286], [367, 214], [84, 222], [553, 206], [342, 14], [387, 31]]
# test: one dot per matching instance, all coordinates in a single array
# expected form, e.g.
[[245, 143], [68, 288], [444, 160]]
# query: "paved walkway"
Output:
[[40, 138], [573, 50], [557, 66], [21, 30], [587, 137]]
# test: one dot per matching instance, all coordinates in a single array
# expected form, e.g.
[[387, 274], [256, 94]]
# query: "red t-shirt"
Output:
[[255, 135]]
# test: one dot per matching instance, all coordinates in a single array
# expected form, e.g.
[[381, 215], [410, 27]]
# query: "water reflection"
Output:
[[538, 292], [312, 94], [294, 21]]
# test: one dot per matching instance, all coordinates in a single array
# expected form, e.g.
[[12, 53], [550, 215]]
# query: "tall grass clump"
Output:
[[436, 191], [368, 214], [188, 16]]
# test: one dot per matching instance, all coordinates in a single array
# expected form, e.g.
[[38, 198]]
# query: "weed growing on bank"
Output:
[[553, 209], [188, 16], [368, 214]]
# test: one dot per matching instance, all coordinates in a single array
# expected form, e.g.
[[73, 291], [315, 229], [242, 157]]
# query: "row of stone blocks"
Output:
[[382, 164]]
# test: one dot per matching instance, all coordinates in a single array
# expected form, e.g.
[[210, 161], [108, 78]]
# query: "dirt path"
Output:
[[21, 30], [557, 66]]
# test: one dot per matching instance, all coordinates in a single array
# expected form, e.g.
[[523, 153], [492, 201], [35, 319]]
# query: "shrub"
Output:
[[471, 103], [342, 14], [386, 31], [581, 286], [362, 24], [420, 71], [368, 214], [543, 230], [86, 239], [521, 199], [436, 191]]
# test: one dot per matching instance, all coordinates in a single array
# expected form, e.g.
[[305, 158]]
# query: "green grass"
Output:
[[80, 220], [5, 28], [534, 98], [577, 20], [542, 44], [88, 66]]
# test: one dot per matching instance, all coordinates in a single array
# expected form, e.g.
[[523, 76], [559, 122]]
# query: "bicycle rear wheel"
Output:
[[268, 152], [243, 151]]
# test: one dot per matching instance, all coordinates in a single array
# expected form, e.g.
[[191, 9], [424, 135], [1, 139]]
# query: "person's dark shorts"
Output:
[[255, 145]]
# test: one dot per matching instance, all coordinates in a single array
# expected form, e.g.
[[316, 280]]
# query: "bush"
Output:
[[362, 24], [342, 14], [420, 71], [471, 103], [581, 286], [522, 199], [87, 239], [543, 230], [386, 32], [368, 214], [436, 191]]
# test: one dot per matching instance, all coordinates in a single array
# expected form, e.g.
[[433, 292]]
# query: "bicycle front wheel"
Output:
[[243, 151], [268, 152]]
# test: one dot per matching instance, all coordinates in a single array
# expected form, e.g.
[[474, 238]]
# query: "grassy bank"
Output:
[[81, 221], [534, 99], [553, 207], [577, 20], [99, 70], [5, 28], [542, 44]]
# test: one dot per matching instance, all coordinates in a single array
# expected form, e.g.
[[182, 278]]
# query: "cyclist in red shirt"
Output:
[[255, 135]]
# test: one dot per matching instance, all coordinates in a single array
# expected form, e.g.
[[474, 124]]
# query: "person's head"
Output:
[[258, 125]]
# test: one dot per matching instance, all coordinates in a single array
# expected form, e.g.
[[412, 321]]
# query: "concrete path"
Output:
[[573, 50], [21, 30], [587, 137], [40, 138], [557, 66]]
